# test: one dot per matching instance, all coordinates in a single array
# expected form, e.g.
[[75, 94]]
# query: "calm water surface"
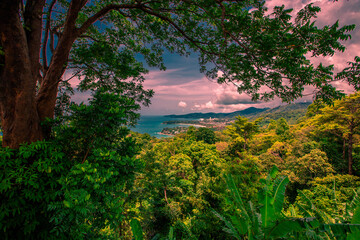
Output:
[[153, 125]]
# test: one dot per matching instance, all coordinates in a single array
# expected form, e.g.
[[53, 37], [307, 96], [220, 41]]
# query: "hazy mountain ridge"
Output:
[[291, 112], [246, 112]]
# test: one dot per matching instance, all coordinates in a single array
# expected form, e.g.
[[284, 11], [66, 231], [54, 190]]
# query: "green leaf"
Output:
[[87, 197], [273, 172], [284, 227], [279, 194], [230, 227], [267, 209], [66, 203], [355, 230], [341, 230], [236, 195], [136, 229], [171, 233]]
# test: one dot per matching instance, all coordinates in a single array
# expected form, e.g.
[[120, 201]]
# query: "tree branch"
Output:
[[139, 6], [33, 29], [46, 97], [74, 75], [166, 199], [22, 9], [88, 150], [103, 12], [46, 36], [89, 37]]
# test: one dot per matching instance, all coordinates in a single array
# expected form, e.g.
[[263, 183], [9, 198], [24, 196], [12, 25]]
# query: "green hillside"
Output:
[[291, 112]]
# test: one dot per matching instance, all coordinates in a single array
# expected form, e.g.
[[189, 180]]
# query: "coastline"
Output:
[[189, 124], [160, 133], [153, 125], [181, 125]]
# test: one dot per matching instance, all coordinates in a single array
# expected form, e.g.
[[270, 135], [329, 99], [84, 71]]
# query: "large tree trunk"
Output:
[[22, 107], [46, 98], [19, 118]]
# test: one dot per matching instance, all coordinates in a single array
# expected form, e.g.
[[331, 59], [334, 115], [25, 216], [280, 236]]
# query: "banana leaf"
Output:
[[136, 229]]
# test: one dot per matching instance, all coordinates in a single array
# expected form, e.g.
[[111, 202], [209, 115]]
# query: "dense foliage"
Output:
[[263, 52], [74, 185], [94, 179], [182, 192], [72, 171]]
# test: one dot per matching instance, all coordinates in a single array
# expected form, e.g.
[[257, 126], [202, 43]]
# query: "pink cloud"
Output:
[[182, 104], [206, 106]]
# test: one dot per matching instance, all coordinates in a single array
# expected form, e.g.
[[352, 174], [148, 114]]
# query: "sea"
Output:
[[153, 125]]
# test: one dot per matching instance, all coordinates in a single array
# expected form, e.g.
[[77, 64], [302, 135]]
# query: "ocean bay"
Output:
[[153, 124]]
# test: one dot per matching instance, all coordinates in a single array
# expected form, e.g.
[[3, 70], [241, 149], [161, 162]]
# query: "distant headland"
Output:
[[245, 112], [219, 121]]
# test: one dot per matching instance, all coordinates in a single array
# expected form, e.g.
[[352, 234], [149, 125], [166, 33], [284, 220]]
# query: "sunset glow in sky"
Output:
[[183, 89]]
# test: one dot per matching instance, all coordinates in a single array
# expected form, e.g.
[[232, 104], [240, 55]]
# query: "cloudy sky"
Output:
[[183, 89]]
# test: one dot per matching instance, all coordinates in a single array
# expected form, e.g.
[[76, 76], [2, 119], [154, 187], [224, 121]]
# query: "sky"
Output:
[[183, 89]]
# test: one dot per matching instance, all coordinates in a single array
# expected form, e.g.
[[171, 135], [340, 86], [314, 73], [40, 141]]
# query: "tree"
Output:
[[241, 130], [97, 41], [308, 167], [281, 127], [205, 134], [343, 119], [181, 182]]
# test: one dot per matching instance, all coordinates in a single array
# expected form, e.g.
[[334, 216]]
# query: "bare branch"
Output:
[[74, 75], [89, 37]]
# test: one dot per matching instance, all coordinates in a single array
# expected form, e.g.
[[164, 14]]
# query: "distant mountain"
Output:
[[246, 112], [291, 112]]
